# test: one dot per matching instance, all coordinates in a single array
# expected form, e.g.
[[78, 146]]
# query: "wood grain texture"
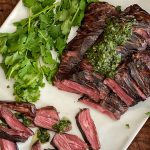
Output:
[[142, 140]]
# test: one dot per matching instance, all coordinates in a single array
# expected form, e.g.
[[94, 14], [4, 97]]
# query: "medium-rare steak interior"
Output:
[[107, 62], [7, 145], [88, 129], [68, 142]]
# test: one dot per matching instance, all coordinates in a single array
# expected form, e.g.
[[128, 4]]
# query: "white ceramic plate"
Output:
[[114, 135]]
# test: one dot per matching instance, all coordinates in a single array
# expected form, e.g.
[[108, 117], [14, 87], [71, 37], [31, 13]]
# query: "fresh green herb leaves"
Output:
[[26, 121], [28, 52], [148, 113], [103, 56], [127, 125], [62, 125], [43, 135]]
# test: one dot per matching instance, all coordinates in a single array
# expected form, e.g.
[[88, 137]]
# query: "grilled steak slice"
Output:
[[141, 75], [13, 135], [85, 65], [13, 122], [124, 79], [46, 117], [114, 101], [93, 81], [140, 14], [36, 146], [91, 92], [119, 91], [25, 108], [88, 128], [91, 28], [143, 57], [68, 142], [102, 107], [7, 145], [63, 86], [142, 26], [85, 82]]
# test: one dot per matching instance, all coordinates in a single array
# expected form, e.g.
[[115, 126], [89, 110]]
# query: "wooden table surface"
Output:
[[142, 140]]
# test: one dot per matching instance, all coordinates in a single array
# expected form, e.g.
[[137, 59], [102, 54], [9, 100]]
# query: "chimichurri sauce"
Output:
[[103, 56]]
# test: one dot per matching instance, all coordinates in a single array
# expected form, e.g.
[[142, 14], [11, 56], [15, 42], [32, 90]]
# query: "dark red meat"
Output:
[[143, 57], [142, 25], [88, 128], [62, 86], [13, 122], [46, 117], [91, 80], [141, 75], [7, 145], [119, 91], [25, 108], [102, 107], [124, 79], [13, 135], [36, 146], [92, 92], [68, 142]]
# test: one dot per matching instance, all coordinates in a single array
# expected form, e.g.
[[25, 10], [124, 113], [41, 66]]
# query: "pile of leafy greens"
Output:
[[27, 52]]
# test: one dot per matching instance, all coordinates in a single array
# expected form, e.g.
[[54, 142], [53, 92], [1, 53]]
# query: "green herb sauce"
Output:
[[103, 56], [26, 121], [62, 125], [43, 135]]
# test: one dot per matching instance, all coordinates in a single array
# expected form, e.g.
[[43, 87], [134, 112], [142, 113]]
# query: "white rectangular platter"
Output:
[[114, 135]]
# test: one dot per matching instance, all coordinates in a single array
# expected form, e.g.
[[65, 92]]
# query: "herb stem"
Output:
[[75, 16]]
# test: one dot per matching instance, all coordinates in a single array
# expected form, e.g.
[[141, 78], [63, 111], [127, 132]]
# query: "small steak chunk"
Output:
[[68, 142], [119, 91], [7, 145], [46, 117], [25, 108], [13, 122], [36, 146], [88, 128], [13, 135]]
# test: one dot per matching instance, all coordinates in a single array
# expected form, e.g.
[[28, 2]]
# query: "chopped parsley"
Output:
[[103, 56], [43, 135], [26, 121], [127, 125], [62, 125]]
